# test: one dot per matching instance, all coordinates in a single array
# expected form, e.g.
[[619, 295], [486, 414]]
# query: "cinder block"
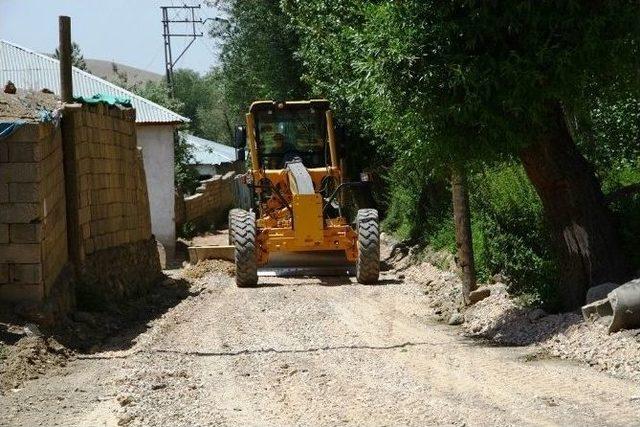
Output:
[[25, 233], [27, 273], [25, 152], [26, 132], [23, 192], [28, 253], [19, 213], [4, 193], [19, 172], [4, 233], [18, 292], [4, 152], [4, 273]]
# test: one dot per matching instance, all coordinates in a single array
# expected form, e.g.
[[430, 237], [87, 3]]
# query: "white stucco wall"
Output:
[[157, 151]]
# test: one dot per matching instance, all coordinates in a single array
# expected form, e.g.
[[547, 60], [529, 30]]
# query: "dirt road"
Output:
[[311, 352]]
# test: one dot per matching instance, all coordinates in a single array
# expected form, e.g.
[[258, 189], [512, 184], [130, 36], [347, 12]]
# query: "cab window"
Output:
[[283, 135]]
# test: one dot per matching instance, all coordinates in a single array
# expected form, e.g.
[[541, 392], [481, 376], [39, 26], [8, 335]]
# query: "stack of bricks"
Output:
[[33, 242], [112, 202], [212, 200]]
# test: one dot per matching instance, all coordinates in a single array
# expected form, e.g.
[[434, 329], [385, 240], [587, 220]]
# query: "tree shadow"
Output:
[[117, 326]]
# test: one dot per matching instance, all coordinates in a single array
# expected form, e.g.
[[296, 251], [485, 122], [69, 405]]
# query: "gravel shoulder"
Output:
[[316, 352]]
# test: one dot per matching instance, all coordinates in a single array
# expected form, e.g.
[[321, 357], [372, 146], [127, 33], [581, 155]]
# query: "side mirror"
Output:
[[240, 140], [240, 154]]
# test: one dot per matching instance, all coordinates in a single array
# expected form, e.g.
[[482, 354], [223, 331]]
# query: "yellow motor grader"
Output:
[[296, 189]]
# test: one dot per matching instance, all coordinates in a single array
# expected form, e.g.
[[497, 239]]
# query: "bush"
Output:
[[511, 234], [507, 225]]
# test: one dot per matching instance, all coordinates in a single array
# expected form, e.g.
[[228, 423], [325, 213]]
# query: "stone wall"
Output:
[[74, 208], [209, 206], [33, 241]]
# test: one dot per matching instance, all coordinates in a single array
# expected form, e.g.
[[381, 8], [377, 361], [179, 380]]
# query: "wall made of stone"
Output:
[[212, 201]]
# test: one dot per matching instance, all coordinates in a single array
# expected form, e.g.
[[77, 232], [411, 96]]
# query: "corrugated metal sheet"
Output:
[[34, 71], [207, 152]]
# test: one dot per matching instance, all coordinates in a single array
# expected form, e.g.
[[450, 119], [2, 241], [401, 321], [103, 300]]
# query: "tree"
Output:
[[474, 81], [77, 59], [257, 57]]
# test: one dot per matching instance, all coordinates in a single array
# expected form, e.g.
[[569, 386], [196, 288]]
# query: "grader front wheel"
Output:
[[233, 214], [244, 238], [368, 262]]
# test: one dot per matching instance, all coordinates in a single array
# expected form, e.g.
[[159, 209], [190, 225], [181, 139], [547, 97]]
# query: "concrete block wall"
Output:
[[74, 208], [33, 241], [112, 201], [116, 249], [212, 200]]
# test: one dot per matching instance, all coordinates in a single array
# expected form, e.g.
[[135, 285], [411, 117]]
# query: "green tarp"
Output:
[[104, 99]]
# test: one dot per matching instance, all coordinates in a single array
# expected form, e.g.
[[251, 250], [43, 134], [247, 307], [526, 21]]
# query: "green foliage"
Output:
[[188, 230], [512, 238], [257, 57], [186, 176], [158, 92], [459, 80], [77, 59]]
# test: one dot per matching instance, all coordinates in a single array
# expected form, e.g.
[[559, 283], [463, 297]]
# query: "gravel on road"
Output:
[[315, 351]]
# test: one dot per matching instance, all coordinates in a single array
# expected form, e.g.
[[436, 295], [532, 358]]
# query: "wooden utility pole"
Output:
[[66, 83], [68, 142], [464, 243]]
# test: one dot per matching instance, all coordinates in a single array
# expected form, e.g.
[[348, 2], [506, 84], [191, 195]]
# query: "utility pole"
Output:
[[66, 83], [167, 35]]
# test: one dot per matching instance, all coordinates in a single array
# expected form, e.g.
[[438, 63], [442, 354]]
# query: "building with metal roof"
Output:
[[31, 70], [210, 157], [156, 126]]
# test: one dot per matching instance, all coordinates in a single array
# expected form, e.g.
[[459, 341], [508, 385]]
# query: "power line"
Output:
[[191, 33]]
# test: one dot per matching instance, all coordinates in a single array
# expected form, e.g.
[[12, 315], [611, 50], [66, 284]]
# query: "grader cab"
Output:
[[296, 187]]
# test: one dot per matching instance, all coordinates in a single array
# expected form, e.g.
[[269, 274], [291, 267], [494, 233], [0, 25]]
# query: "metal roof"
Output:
[[207, 152], [34, 71]]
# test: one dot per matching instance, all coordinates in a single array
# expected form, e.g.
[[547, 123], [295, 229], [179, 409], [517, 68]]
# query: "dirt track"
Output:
[[310, 352]]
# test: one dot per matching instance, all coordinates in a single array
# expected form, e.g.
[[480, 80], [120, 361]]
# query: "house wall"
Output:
[[157, 147]]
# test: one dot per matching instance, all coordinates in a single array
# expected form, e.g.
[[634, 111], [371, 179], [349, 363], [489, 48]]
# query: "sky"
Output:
[[124, 31]]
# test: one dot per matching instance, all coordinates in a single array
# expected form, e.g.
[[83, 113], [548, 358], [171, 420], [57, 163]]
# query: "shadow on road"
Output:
[[118, 325]]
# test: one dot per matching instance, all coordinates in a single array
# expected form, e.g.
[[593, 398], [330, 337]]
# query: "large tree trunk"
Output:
[[586, 240]]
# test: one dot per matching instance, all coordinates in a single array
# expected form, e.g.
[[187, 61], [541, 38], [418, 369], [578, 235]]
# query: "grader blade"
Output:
[[305, 264]]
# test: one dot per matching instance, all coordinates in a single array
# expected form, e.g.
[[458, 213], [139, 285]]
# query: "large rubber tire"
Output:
[[244, 235], [233, 214], [368, 262]]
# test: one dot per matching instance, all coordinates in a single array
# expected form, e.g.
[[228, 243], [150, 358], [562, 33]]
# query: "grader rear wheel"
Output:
[[368, 262], [244, 236]]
